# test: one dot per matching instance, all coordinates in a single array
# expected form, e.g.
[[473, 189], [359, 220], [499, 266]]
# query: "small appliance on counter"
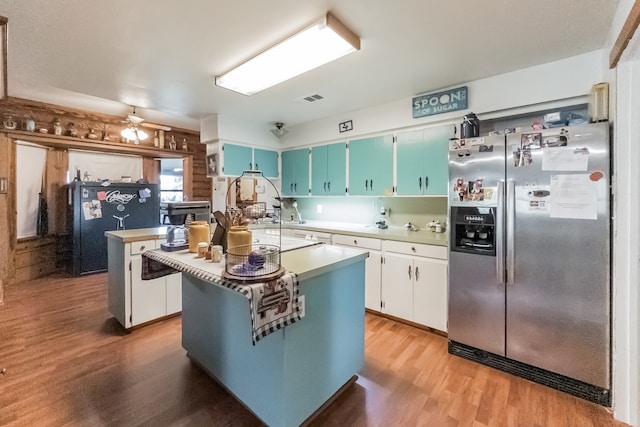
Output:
[[177, 213]]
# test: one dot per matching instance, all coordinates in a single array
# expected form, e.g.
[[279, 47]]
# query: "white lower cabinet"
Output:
[[372, 266], [134, 301], [397, 285], [414, 283]]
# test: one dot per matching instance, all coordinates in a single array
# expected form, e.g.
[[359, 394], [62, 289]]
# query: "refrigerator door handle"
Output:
[[500, 234], [510, 230]]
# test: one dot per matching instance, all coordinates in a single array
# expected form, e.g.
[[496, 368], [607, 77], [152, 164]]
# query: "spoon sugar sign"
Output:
[[440, 102]]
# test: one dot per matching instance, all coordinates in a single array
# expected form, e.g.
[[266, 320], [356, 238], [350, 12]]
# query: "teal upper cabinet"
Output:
[[422, 164], [237, 159], [371, 166], [295, 172], [266, 161], [329, 169]]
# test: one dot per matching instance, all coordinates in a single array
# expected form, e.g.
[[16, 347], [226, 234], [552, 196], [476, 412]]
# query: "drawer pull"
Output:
[[142, 247], [413, 248], [355, 242]]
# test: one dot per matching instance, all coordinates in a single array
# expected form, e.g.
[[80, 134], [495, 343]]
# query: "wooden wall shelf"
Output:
[[69, 142]]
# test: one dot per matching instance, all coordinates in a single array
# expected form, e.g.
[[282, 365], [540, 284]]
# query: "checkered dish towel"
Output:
[[273, 304]]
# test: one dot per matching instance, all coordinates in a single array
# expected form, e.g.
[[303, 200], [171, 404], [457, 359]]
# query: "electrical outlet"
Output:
[[318, 208], [301, 305]]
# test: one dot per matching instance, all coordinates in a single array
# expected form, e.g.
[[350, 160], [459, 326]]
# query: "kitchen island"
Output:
[[288, 375]]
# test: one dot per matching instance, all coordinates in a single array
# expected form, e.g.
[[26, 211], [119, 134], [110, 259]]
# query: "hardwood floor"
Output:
[[69, 363]]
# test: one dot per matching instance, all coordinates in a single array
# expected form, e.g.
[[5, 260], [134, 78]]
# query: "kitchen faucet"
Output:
[[295, 206]]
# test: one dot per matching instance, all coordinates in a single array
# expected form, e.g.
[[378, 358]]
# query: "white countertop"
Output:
[[137, 234], [361, 230], [367, 230]]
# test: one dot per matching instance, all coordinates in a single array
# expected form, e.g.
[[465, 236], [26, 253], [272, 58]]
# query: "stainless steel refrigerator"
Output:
[[529, 256], [96, 207]]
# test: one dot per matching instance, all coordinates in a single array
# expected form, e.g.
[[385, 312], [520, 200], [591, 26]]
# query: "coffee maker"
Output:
[[179, 215]]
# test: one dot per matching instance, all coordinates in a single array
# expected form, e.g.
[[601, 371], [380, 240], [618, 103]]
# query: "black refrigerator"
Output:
[[97, 207]]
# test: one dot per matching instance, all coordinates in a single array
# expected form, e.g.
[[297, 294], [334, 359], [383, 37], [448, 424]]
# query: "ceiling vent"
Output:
[[310, 98]]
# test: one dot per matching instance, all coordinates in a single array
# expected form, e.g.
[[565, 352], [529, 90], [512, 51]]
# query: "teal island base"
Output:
[[288, 375]]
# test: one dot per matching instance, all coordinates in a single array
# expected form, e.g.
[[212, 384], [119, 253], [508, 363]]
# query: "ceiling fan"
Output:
[[134, 122]]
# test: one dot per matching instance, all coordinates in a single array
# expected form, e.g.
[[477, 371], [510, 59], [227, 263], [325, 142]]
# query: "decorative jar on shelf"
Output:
[[57, 127], [29, 124]]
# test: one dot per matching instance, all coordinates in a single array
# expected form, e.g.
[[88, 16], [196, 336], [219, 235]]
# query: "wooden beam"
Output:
[[626, 33]]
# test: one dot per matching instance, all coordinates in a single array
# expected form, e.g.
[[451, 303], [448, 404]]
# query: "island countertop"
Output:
[[306, 262]]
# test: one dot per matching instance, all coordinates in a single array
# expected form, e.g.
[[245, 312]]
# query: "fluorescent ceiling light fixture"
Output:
[[321, 43]]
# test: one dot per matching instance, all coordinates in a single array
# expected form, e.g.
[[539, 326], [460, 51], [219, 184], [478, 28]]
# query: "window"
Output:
[[171, 182], [32, 211]]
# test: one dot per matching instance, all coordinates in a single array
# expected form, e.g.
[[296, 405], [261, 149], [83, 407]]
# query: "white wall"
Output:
[[625, 109], [557, 83], [218, 127], [626, 298]]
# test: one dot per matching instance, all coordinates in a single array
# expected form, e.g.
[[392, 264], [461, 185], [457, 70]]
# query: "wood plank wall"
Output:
[[37, 257]]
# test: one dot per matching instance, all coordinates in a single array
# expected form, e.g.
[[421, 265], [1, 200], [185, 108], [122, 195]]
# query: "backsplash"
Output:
[[365, 210]]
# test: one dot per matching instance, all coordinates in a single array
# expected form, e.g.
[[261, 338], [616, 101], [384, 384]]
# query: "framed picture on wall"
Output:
[[212, 165]]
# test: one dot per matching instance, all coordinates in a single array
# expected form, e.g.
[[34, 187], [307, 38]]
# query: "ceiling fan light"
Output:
[[133, 134], [319, 44]]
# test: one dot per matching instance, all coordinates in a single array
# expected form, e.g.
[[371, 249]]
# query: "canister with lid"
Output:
[[239, 235], [470, 127], [216, 253], [198, 232]]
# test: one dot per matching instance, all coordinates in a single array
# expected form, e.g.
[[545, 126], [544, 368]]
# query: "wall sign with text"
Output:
[[440, 102]]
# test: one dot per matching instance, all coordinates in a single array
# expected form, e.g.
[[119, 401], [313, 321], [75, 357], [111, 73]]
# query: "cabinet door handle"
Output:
[[409, 271], [420, 183], [329, 186], [366, 185], [417, 273], [257, 167], [371, 184], [325, 186], [250, 165], [292, 187], [295, 186], [426, 182]]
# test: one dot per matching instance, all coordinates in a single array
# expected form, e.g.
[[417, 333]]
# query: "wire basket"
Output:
[[252, 261], [254, 210]]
